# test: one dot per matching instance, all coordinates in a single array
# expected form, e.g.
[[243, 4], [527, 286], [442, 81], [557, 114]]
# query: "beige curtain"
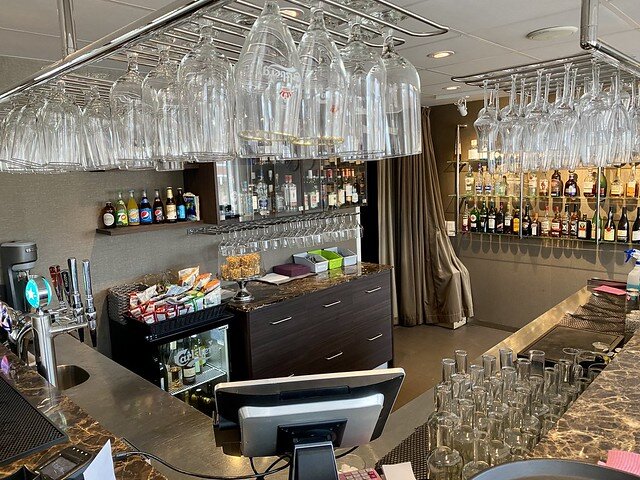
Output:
[[431, 283]]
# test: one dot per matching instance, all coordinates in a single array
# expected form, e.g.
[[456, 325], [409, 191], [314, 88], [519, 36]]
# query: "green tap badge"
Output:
[[38, 292]]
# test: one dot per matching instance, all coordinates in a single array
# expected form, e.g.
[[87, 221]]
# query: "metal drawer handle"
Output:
[[332, 304], [334, 356], [373, 290], [374, 338], [281, 321]]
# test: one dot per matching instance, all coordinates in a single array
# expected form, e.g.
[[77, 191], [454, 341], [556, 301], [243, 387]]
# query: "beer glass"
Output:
[[97, 132], [267, 82], [207, 99], [324, 83], [25, 149], [365, 125]]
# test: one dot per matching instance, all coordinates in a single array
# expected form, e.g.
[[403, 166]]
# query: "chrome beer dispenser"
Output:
[[17, 259]]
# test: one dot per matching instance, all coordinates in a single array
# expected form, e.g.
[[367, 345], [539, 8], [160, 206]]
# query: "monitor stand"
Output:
[[313, 461]]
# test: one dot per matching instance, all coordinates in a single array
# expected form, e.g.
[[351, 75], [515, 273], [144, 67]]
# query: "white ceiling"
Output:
[[485, 34]]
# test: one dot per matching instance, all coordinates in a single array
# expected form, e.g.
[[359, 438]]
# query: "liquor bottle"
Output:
[[348, 187], [464, 226], [263, 196], [491, 218], [479, 181], [500, 187], [603, 184], [109, 216], [488, 183], [516, 222], [543, 189], [545, 224], [355, 199], [535, 225], [339, 188], [632, 184], [484, 214], [122, 217], [573, 222], [622, 233], [596, 227], [146, 212], [571, 187], [556, 224], [473, 219], [181, 208], [533, 184], [526, 222], [158, 209], [635, 231], [279, 197], [469, 181], [589, 184], [291, 199], [170, 207], [271, 191], [132, 210], [508, 219], [254, 194], [332, 194], [617, 189], [564, 222], [609, 234], [584, 228], [314, 194], [500, 219], [556, 184]]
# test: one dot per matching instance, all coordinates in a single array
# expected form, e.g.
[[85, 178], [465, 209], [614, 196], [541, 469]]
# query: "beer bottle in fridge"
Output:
[[171, 210], [158, 209]]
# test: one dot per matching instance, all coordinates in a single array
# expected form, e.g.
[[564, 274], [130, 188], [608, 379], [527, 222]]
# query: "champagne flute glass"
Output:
[[565, 125], [494, 146], [484, 122], [634, 114], [160, 104], [508, 130], [268, 85], [207, 102], [324, 84], [402, 102], [536, 129], [97, 132], [594, 124], [619, 127], [365, 126]]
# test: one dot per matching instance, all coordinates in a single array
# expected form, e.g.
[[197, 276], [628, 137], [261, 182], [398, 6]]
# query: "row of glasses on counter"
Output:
[[285, 233], [589, 126], [495, 412], [310, 101]]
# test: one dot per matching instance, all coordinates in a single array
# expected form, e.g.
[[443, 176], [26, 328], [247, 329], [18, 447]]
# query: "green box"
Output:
[[335, 260]]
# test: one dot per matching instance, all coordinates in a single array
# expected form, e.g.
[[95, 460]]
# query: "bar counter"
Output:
[[153, 421]]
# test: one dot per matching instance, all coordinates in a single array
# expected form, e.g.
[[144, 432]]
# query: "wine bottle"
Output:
[[622, 233], [635, 231], [609, 228]]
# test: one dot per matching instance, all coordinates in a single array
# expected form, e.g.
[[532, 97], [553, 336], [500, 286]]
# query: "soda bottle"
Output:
[[132, 210], [172, 213], [109, 216], [158, 209], [122, 218], [181, 208], [146, 213]]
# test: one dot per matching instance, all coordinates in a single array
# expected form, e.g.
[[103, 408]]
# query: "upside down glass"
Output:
[[98, 133]]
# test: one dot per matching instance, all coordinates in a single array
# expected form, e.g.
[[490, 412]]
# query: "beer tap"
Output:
[[90, 310], [77, 310], [66, 284], [58, 285]]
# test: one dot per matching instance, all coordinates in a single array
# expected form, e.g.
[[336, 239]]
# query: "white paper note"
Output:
[[101, 468], [399, 471]]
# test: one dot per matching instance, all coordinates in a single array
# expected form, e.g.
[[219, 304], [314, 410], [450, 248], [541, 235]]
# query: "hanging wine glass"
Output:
[[365, 126], [160, 105], [494, 146], [206, 81], [127, 118], [508, 130], [402, 103], [324, 84], [98, 133], [549, 154], [635, 123], [484, 122], [593, 123], [27, 148], [268, 82], [7, 136], [534, 134], [619, 128]]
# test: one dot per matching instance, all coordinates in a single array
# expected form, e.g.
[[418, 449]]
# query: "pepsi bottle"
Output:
[[146, 213]]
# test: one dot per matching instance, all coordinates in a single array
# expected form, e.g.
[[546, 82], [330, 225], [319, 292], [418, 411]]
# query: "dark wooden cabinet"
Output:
[[341, 328]]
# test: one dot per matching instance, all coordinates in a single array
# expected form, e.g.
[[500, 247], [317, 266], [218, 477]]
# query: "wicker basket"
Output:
[[118, 301]]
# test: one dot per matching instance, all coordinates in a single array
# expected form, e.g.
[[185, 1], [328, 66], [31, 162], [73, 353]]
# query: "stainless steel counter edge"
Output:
[[154, 421]]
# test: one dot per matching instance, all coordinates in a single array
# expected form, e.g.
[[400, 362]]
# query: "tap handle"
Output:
[[94, 337], [73, 272], [66, 284], [56, 279], [86, 270]]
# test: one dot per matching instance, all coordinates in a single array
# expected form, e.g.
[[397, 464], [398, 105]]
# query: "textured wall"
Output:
[[514, 281]]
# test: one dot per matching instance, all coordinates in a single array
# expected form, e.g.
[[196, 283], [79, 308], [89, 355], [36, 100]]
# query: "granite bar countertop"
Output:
[[266, 294], [82, 430], [605, 417]]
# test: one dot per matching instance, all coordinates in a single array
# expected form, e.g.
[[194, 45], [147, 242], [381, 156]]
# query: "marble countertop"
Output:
[[82, 430], [266, 294], [605, 417]]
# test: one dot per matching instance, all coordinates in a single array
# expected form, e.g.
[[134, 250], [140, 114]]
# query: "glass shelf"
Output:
[[208, 374]]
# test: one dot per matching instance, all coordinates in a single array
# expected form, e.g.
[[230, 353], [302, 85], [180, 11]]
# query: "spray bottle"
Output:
[[633, 279]]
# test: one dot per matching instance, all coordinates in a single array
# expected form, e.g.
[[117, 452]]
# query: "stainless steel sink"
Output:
[[70, 376]]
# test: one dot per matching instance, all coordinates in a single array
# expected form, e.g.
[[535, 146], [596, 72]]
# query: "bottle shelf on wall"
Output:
[[132, 230]]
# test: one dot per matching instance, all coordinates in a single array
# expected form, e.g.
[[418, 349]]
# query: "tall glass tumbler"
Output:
[[268, 84], [537, 359], [98, 132]]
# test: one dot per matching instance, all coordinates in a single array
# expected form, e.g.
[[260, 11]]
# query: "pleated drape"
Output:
[[431, 283]]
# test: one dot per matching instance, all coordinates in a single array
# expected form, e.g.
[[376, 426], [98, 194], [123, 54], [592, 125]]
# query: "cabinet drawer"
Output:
[[371, 289]]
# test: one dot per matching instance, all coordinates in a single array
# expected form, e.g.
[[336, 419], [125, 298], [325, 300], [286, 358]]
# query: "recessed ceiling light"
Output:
[[452, 87], [291, 12], [552, 33], [441, 54]]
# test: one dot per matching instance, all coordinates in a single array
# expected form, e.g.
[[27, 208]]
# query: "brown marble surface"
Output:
[[81, 428], [266, 294], [605, 417]]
